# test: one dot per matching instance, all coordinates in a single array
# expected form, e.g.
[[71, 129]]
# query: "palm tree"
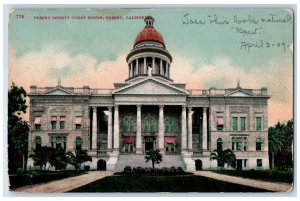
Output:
[[277, 139], [224, 157], [78, 158], [154, 156]]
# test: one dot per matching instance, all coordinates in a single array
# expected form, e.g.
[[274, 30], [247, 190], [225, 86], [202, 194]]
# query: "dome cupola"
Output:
[[149, 34], [149, 54]]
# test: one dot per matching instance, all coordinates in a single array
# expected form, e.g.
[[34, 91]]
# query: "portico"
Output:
[[135, 129]]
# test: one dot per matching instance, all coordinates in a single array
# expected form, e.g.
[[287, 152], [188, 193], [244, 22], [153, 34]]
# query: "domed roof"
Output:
[[149, 33]]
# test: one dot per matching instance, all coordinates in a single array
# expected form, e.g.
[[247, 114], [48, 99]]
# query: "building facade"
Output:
[[150, 111]]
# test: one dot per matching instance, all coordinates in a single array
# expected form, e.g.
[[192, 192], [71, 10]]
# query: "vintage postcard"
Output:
[[133, 100]]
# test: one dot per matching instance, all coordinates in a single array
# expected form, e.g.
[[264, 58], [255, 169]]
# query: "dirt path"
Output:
[[272, 186], [66, 184]]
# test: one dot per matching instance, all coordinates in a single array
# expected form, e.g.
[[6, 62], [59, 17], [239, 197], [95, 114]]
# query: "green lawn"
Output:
[[163, 184], [26, 179], [266, 175]]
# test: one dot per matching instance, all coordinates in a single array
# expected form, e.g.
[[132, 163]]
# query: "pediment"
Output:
[[150, 87], [57, 91], [239, 93]]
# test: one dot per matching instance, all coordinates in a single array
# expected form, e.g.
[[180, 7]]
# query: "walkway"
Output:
[[272, 186], [66, 184]]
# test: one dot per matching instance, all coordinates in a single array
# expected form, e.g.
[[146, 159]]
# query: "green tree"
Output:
[[59, 159], [42, 156], [154, 156], [78, 158], [277, 138], [281, 144], [17, 128], [224, 157]]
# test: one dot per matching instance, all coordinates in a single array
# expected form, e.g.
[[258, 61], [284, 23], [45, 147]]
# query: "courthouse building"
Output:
[[151, 111]]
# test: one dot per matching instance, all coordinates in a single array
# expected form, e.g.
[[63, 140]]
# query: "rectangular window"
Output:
[[234, 123], [37, 123], [62, 122], [258, 144], [258, 123], [78, 127], [62, 125], [245, 162], [220, 123], [53, 122], [38, 127], [243, 123], [259, 162], [53, 125], [78, 122]]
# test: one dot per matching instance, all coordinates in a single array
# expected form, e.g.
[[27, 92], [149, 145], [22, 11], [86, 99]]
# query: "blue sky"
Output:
[[77, 48]]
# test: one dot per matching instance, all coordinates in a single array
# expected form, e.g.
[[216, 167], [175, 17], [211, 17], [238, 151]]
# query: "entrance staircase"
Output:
[[139, 161]]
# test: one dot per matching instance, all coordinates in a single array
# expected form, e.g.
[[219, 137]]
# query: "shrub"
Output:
[[20, 172], [156, 170], [140, 170], [179, 170], [127, 169], [87, 167], [165, 170], [147, 170], [172, 170], [273, 173]]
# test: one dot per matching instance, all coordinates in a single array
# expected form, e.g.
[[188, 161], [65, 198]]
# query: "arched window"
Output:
[[65, 142], [151, 125], [166, 126], [146, 129], [172, 126], [131, 125], [125, 126], [78, 143], [38, 142], [219, 144], [258, 144]]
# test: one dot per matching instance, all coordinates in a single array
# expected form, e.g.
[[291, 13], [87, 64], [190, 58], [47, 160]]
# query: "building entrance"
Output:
[[149, 143], [239, 164]]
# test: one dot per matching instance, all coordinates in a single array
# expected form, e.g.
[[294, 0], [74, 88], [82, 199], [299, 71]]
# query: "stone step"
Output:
[[139, 161]]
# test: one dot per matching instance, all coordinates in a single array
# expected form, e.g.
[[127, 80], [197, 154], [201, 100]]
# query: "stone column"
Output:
[[161, 67], [116, 130], [161, 129], [204, 129], [136, 66], [168, 69], [153, 65], [145, 66], [138, 130], [190, 130], [130, 69], [183, 129], [109, 130], [94, 129]]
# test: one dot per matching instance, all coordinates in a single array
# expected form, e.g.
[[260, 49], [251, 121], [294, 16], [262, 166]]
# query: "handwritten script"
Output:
[[244, 27]]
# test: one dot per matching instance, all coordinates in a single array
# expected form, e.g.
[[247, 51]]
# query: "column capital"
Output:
[[138, 107], [116, 107], [205, 109], [183, 108], [94, 107], [161, 107], [190, 109], [109, 108]]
